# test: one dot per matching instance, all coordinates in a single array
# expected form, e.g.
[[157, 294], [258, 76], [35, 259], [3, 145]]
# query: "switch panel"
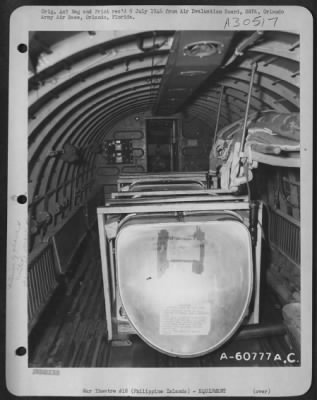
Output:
[[118, 151]]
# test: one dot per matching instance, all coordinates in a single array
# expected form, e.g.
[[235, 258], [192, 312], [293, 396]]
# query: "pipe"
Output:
[[254, 67], [218, 113], [258, 331]]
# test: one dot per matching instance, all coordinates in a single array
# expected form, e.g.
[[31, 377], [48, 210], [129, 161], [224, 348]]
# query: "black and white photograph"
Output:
[[160, 231]]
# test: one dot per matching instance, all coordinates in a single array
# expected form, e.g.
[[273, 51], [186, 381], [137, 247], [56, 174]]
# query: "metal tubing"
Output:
[[254, 67], [218, 113], [163, 207], [257, 331]]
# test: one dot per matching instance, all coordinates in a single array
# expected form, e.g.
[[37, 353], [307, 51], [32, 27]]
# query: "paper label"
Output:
[[185, 319]]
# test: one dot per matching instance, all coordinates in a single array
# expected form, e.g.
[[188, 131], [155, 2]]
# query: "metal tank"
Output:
[[185, 282]]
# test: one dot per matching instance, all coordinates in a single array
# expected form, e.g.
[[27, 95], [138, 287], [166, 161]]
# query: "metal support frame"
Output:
[[212, 204], [255, 316], [172, 207], [112, 270], [105, 271], [164, 193], [129, 179], [198, 198]]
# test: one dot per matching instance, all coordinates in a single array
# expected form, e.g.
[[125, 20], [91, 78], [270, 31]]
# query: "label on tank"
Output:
[[185, 319], [183, 248]]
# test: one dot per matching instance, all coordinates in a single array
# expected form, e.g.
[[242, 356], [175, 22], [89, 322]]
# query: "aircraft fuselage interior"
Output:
[[163, 197]]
